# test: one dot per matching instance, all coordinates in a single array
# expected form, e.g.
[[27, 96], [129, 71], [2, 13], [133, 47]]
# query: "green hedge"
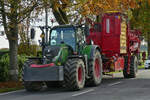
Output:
[[3, 52], [28, 49], [4, 66]]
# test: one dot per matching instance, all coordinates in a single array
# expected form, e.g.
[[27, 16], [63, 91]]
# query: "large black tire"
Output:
[[95, 70], [133, 67], [125, 74], [30, 85], [74, 74]]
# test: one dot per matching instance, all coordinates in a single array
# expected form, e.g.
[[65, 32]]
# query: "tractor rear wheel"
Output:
[[95, 70], [31, 85], [74, 74]]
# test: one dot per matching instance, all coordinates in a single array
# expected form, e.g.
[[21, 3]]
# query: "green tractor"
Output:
[[67, 60]]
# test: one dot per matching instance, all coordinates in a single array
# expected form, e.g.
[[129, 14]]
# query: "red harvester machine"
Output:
[[119, 44]]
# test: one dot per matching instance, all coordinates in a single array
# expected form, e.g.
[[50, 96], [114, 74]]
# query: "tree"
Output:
[[12, 13], [141, 20], [67, 11]]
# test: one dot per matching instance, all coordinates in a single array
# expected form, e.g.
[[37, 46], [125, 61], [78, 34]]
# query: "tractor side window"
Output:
[[107, 25], [53, 37]]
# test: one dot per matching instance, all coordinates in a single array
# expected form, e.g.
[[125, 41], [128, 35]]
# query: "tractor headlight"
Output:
[[59, 63]]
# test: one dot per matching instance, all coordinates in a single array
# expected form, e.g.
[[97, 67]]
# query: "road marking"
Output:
[[116, 83], [81, 93], [1, 94]]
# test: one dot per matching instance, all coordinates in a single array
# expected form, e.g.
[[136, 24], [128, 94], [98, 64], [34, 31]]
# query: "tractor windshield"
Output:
[[63, 35]]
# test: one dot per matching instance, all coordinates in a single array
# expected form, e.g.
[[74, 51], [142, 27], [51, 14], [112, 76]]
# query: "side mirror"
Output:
[[32, 33]]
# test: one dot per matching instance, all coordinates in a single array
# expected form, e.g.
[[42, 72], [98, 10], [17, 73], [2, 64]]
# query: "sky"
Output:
[[41, 22]]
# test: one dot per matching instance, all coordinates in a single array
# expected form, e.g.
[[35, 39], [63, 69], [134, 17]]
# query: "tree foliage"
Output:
[[141, 19], [12, 13], [15, 11], [67, 11]]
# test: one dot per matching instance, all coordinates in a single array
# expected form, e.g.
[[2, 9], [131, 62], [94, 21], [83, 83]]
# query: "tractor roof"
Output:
[[67, 25], [63, 26]]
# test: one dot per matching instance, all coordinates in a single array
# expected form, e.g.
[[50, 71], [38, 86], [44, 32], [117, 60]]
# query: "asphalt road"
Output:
[[116, 88]]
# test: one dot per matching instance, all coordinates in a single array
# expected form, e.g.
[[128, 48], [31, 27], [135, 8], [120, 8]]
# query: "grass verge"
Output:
[[3, 90], [10, 86]]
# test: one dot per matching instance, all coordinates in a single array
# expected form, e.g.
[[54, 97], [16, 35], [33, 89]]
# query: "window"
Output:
[[63, 35], [107, 25]]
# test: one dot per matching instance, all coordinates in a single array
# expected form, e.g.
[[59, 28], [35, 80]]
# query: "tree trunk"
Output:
[[13, 51], [13, 48]]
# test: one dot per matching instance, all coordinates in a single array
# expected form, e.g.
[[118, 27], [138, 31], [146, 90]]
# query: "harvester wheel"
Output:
[[133, 67], [30, 85], [95, 70], [125, 73], [74, 74]]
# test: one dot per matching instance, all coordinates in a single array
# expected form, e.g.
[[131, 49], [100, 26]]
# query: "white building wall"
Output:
[[40, 22], [3, 40]]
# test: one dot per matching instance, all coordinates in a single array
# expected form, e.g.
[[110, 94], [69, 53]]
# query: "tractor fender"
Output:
[[90, 55], [93, 50], [90, 51]]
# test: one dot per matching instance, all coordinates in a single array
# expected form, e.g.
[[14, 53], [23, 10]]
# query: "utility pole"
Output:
[[46, 22]]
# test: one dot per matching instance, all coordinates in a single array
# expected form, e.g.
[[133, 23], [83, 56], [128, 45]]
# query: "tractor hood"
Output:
[[56, 54], [51, 51]]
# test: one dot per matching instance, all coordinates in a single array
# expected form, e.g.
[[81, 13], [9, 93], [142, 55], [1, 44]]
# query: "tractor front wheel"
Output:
[[31, 85], [74, 74]]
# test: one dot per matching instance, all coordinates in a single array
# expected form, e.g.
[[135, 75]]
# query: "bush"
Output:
[[3, 52], [27, 49], [39, 53], [21, 60], [4, 66]]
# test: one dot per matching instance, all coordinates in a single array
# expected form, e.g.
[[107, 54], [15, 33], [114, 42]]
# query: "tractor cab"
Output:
[[70, 35], [64, 40], [63, 35]]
